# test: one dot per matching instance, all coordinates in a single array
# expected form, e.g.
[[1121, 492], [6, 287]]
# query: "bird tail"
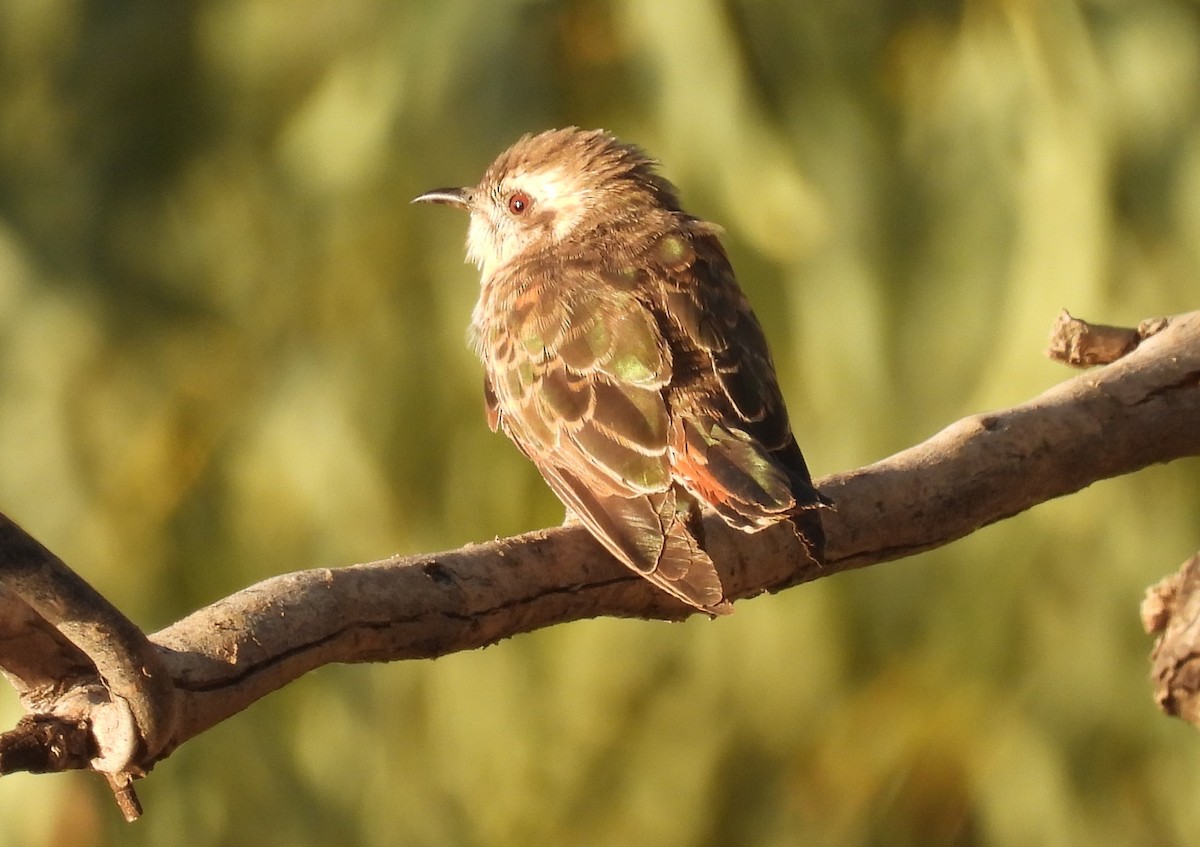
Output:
[[686, 571], [649, 535]]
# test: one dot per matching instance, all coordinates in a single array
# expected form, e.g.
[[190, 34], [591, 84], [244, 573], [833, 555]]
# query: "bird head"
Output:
[[553, 188]]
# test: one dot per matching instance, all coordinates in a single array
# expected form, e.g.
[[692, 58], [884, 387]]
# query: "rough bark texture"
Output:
[[1171, 610], [77, 662]]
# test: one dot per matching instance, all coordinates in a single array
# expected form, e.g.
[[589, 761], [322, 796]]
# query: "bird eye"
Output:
[[518, 202]]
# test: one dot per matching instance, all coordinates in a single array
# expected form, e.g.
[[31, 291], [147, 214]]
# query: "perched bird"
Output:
[[622, 358]]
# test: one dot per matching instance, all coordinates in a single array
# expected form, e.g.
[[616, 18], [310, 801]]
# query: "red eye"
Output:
[[518, 202]]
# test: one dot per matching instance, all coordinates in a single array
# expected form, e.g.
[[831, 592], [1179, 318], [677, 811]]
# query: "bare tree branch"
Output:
[[1081, 344], [1171, 610], [1141, 410], [98, 668]]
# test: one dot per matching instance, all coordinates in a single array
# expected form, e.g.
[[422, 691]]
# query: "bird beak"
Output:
[[460, 197]]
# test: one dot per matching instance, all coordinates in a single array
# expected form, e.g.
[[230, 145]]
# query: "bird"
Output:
[[622, 358]]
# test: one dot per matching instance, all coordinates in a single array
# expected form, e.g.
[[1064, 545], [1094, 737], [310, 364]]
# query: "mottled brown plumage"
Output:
[[622, 358]]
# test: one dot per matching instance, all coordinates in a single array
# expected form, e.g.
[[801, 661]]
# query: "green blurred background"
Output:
[[229, 348]]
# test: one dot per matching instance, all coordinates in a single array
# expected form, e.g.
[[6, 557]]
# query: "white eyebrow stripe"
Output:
[[553, 188]]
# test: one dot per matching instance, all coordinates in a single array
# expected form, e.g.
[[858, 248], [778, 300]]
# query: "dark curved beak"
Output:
[[460, 197]]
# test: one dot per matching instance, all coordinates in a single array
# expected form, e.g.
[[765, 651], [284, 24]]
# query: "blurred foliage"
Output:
[[230, 348]]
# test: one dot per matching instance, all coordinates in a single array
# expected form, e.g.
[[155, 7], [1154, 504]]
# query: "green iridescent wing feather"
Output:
[[637, 383], [731, 437], [577, 372]]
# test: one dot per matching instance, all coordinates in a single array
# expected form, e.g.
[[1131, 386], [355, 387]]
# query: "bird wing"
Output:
[[577, 367], [730, 439]]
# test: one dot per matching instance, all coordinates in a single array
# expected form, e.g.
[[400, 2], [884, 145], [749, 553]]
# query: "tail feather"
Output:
[[686, 571], [648, 535]]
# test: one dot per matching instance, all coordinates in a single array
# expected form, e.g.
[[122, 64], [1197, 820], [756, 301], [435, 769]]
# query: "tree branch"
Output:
[[1171, 611], [1139, 411]]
